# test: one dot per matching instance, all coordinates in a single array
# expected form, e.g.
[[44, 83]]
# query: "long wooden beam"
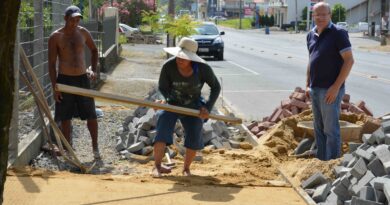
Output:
[[127, 100]]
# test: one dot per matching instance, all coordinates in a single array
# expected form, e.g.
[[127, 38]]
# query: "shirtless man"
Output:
[[67, 45]]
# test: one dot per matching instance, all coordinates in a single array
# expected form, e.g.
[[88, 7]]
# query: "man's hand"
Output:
[[203, 113], [331, 94], [57, 94], [91, 75], [160, 101]]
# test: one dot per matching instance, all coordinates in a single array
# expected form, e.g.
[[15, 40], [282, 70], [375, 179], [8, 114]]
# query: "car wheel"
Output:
[[219, 56]]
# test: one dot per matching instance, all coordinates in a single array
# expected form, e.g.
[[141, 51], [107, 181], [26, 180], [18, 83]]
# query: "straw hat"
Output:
[[186, 49]]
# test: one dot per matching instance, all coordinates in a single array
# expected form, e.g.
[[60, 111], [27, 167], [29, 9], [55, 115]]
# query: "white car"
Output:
[[343, 25], [127, 30]]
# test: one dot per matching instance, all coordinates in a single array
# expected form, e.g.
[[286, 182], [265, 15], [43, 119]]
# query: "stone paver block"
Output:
[[346, 98], [386, 127], [383, 153], [346, 159], [314, 180], [120, 145], [362, 182], [379, 135], [342, 192], [379, 182], [152, 134], [130, 139], [321, 192], [216, 143], [359, 169], [380, 196], [136, 147], [146, 150], [367, 193], [353, 146], [387, 139], [386, 191], [145, 139], [364, 154], [357, 201], [376, 167], [369, 139], [234, 144]]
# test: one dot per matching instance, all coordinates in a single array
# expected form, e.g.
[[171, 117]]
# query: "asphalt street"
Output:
[[261, 70]]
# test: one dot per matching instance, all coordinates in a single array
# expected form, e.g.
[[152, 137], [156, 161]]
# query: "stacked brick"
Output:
[[297, 103], [363, 177]]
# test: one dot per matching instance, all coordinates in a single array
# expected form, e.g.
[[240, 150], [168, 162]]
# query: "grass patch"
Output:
[[234, 23]]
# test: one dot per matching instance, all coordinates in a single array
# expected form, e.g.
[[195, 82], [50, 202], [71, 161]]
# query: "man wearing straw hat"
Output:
[[181, 80], [67, 44]]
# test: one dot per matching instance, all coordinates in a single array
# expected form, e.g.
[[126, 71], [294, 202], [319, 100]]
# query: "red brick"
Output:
[[294, 110], [346, 98], [286, 103], [255, 130], [298, 103], [366, 110], [344, 105], [258, 135], [286, 113], [299, 89], [266, 119], [275, 118], [253, 124], [354, 109], [360, 104], [299, 96]]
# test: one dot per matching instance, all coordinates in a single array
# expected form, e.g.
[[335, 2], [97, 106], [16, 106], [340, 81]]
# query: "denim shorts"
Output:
[[166, 122]]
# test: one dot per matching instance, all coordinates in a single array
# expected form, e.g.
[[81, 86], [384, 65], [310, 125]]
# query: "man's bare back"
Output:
[[70, 50]]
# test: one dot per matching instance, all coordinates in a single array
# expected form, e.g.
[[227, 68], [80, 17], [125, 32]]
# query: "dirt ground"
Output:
[[223, 176]]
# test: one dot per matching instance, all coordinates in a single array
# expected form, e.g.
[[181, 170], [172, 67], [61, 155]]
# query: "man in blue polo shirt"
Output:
[[330, 61]]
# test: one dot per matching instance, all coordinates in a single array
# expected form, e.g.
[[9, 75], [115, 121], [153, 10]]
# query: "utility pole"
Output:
[[296, 16], [171, 13], [240, 13]]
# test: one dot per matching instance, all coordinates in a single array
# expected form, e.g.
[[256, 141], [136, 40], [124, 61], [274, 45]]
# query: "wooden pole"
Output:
[[127, 100]]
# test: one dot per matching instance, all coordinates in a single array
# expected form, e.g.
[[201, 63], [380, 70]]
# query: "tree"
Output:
[[9, 10], [151, 19], [304, 14], [183, 26], [272, 20], [338, 13]]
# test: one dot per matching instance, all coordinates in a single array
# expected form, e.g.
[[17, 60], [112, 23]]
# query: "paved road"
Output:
[[261, 70]]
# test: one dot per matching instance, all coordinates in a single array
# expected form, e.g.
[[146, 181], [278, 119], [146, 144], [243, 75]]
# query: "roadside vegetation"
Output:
[[246, 23]]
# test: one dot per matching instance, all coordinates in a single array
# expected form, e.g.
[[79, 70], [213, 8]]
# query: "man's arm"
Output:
[[53, 54], [215, 87], [308, 80], [344, 72], [92, 47]]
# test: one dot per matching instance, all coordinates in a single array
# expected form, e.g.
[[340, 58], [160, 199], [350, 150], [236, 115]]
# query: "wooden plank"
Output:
[[127, 100]]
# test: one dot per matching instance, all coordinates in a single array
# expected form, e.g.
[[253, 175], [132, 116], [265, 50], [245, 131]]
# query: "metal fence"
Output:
[[37, 20]]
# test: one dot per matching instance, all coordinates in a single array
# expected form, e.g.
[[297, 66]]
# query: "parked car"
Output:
[[363, 26], [127, 30], [219, 18], [343, 25], [209, 40]]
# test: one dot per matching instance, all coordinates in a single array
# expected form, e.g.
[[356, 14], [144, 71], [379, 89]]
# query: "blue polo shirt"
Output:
[[325, 55]]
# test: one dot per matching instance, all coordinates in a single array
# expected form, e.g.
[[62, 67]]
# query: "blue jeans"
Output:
[[326, 123]]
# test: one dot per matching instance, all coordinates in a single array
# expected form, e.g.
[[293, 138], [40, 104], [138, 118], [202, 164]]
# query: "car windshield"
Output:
[[207, 30]]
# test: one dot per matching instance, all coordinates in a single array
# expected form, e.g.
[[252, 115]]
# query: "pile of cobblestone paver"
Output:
[[297, 103], [139, 129], [363, 177]]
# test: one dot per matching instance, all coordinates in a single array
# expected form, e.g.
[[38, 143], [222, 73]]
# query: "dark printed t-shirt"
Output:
[[186, 91]]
